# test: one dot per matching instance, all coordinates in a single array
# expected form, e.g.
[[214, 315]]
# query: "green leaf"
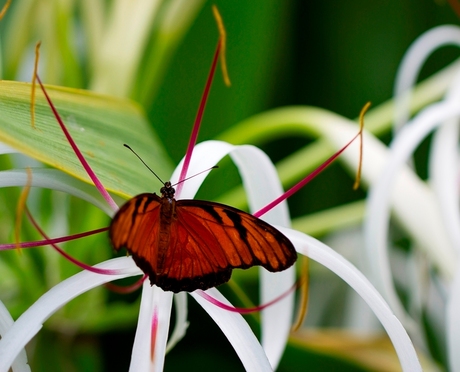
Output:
[[100, 125]]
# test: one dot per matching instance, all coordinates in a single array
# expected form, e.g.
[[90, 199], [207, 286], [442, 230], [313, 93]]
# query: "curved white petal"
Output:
[[444, 169], [20, 364], [238, 332], [152, 326], [180, 328], [262, 185], [30, 322], [412, 63], [156, 307], [413, 203], [205, 155], [5, 149], [453, 324], [55, 180], [203, 158], [444, 176], [412, 198], [427, 223], [332, 260]]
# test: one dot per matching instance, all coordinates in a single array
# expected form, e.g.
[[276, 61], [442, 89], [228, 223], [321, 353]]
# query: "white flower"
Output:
[[260, 180]]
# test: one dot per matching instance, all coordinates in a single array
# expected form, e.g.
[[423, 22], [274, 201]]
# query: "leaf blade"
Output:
[[99, 124]]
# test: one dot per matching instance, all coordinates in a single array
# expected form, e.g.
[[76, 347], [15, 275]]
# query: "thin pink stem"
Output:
[[66, 255], [79, 154], [126, 288], [198, 119], [153, 334], [39, 243], [302, 183], [245, 310]]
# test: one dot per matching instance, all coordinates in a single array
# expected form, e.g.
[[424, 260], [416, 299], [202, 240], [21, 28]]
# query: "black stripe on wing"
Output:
[[266, 245]]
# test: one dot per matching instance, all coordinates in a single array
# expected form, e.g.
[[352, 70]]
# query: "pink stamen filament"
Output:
[[198, 119], [303, 182], [242, 310], [128, 288], [39, 243], [65, 254], [153, 334], [79, 154]]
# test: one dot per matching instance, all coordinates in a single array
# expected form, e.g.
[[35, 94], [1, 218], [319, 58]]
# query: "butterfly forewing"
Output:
[[193, 244], [136, 227], [241, 238]]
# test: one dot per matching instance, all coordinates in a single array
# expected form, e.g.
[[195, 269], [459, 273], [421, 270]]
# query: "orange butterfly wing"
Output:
[[136, 227], [206, 241]]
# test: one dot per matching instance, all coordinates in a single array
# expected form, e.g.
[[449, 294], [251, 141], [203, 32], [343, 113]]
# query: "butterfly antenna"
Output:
[[143, 162], [206, 170]]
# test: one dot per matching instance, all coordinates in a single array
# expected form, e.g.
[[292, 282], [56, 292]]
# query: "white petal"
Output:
[[205, 155], [56, 180], [412, 63], [421, 213], [238, 332], [155, 303], [181, 325], [5, 149], [262, 185], [30, 322], [413, 202], [444, 176], [444, 169], [326, 256], [453, 324], [20, 364]]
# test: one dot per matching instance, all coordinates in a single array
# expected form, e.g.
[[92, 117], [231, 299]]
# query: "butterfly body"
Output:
[[184, 245]]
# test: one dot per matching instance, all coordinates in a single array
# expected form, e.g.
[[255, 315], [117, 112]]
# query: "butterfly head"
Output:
[[167, 191]]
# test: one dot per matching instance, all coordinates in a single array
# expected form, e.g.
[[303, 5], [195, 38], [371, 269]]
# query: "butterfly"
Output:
[[184, 245]]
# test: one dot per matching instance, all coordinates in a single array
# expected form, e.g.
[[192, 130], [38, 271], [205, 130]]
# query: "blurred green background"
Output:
[[335, 55]]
